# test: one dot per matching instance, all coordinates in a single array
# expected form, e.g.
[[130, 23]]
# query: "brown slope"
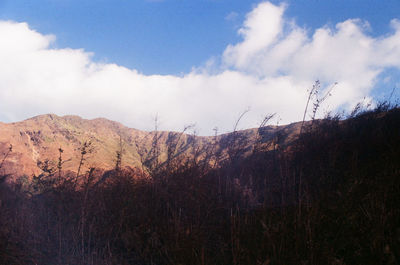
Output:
[[39, 138]]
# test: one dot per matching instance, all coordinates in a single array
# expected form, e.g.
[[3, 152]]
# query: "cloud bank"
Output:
[[269, 70]]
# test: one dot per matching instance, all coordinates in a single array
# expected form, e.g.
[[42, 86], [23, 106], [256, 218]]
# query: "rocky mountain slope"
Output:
[[40, 138]]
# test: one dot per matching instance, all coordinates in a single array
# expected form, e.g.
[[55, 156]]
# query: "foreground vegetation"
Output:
[[331, 197]]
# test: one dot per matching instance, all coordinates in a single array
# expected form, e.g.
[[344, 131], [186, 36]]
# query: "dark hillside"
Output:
[[328, 196]]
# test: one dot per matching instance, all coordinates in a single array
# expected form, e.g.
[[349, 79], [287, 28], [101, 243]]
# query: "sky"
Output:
[[197, 61]]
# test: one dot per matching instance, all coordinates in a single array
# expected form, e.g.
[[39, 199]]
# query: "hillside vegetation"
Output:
[[327, 195]]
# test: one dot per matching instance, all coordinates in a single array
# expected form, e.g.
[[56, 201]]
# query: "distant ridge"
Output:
[[39, 138]]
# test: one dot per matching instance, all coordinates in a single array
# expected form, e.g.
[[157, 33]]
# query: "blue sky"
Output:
[[172, 36], [201, 61]]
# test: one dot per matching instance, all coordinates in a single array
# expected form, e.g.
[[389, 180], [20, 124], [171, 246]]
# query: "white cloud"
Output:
[[261, 28], [270, 70], [344, 54]]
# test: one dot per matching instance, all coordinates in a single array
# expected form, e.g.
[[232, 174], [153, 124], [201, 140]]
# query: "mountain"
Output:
[[328, 195], [39, 139]]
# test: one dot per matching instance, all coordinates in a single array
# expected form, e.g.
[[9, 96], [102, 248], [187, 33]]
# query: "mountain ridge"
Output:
[[39, 138]]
